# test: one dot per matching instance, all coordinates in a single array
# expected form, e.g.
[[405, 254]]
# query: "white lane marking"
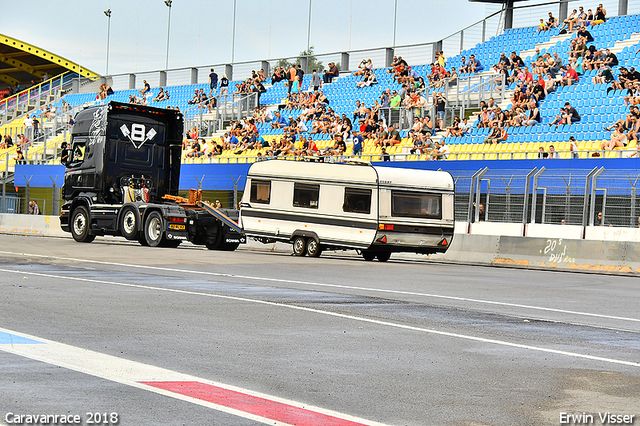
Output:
[[339, 315], [345, 287], [131, 373]]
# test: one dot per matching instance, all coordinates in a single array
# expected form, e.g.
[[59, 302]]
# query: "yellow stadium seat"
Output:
[[491, 156], [463, 157]]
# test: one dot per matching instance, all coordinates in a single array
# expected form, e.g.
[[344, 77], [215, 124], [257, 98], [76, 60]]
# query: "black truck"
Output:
[[122, 177]]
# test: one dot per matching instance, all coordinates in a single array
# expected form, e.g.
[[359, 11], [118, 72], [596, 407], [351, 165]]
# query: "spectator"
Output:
[[331, 73], [358, 142], [28, 126], [552, 152], [224, 85], [474, 65], [496, 135], [19, 156], [441, 153], [315, 80], [440, 102], [160, 96], [618, 139], [390, 137], [34, 209], [601, 15], [385, 156], [213, 81], [145, 89], [601, 220], [542, 153], [573, 147], [567, 115], [552, 22]]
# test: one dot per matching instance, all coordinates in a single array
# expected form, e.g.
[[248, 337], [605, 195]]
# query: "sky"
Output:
[[201, 30]]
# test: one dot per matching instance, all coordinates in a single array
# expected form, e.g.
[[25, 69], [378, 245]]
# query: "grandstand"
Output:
[[597, 106]]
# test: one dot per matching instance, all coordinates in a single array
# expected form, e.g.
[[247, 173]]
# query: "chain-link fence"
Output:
[[568, 197]]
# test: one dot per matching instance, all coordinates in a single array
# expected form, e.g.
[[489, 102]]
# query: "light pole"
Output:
[[233, 34], [168, 3], [309, 28], [395, 20], [108, 14]]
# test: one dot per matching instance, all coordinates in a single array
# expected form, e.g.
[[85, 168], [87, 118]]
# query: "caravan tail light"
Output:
[[177, 219], [385, 227]]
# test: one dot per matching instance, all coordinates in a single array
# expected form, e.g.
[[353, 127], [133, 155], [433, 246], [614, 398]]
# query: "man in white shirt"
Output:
[[28, 126]]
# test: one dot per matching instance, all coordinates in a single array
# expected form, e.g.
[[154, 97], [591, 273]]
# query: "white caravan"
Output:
[[377, 210]]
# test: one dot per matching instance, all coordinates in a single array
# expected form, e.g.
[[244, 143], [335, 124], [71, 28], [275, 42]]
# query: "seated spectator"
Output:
[[279, 121], [541, 153], [146, 89], [331, 73], [369, 80], [196, 149], [496, 135], [600, 16], [160, 96], [604, 76], [474, 65], [390, 137], [105, 90], [573, 147], [552, 22], [534, 114], [542, 26], [552, 152], [569, 77], [618, 139], [567, 115]]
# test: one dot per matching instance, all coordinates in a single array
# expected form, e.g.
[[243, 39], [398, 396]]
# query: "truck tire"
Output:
[[228, 246], [368, 255], [154, 229], [313, 248], [80, 225], [129, 223], [383, 256], [169, 243], [142, 240], [299, 246]]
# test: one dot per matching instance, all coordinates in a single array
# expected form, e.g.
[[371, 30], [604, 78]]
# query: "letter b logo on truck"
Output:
[[138, 134]]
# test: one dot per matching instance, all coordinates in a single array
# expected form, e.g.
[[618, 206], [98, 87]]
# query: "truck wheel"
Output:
[[154, 229], [142, 239], [228, 246], [80, 225], [368, 255], [299, 246], [129, 223], [169, 243], [313, 248], [383, 256]]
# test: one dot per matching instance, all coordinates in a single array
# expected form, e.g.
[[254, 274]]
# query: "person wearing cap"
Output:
[[475, 65]]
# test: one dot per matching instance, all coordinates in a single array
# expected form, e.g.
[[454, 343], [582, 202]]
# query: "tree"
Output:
[[312, 62]]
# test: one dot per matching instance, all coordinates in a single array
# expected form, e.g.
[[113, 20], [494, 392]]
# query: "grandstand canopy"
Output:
[[22, 62]]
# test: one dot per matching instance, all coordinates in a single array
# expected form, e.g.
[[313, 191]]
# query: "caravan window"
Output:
[[305, 195], [416, 204], [357, 200], [260, 191]]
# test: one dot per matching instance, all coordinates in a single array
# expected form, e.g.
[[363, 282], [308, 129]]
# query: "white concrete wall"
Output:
[[497, 228], [539, 230], [606, 233]]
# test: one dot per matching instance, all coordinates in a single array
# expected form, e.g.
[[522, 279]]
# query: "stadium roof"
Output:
[[22, 62]]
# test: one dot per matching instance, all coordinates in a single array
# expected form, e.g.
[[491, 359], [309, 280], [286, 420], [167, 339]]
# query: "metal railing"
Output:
[[228, 107], [20, 102], [419, 53]]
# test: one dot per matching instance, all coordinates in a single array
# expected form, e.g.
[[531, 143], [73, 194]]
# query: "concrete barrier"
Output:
[[22, 224], [615, 257], [620, 256], [558, 231]]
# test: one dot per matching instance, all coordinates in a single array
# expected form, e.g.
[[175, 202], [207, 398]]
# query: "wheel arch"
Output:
[[304, 233]]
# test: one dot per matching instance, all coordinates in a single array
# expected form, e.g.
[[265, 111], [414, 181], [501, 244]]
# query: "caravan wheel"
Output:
[[383, 256], [299, 246], [313, 248], [368, 255]]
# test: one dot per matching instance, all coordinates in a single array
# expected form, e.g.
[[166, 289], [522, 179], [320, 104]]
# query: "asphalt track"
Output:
[[189, 336]]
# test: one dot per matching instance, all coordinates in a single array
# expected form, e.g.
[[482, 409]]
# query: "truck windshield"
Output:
[[416, 204]]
